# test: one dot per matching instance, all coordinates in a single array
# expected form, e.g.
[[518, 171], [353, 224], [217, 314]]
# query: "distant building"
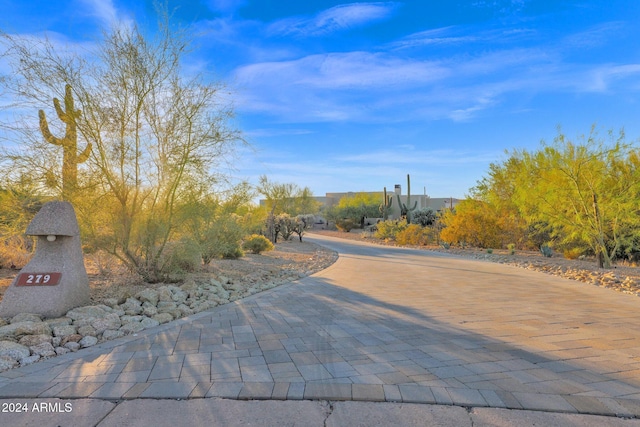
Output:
[[424, 201]]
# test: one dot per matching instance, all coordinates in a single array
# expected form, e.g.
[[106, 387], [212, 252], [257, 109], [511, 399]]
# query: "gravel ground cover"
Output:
[[122, 304]]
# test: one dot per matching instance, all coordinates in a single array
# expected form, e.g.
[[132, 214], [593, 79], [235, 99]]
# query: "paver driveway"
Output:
[[382, 323]]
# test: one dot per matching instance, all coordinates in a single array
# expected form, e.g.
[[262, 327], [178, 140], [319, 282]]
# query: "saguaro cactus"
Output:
[[385, 207], [69, 142], [404, 209]]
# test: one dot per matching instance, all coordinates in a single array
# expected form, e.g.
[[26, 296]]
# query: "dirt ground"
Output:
[[289, 260]]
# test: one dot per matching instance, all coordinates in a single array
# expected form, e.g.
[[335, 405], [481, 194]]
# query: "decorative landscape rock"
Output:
[[131, 328], [73, 346], [55, 280], [15, 351], [88, 341], [26, 317], [87, 325], [31, 340], [162, 317], [88, 312], [64, 330], [17, 330], [26, 361], [148, 295], [61, 350], [111, 334], [71, 338], [44, 349], [110, 321], [149, 323], [7, 363]]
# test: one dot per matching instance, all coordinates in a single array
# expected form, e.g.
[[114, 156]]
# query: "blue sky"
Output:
[[341, 96]]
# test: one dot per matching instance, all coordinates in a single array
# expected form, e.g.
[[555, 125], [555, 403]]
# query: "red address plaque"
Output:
[[38, 279]]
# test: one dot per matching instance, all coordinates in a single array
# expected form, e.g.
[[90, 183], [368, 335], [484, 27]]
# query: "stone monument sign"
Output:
[[55, 280]]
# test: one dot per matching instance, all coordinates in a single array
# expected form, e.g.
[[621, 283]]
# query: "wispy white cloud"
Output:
[[458, 35], [606, 77], [365, 86], [107, 13], [436, 36], [594, 36], [338, 18], [351, 70]]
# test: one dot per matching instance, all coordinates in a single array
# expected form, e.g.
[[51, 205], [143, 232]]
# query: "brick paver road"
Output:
[[382, 323]]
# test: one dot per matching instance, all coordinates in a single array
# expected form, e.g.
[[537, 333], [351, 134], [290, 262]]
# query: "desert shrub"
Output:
[[572, 253], [179, 258], [104, 263], [389, 229], [475, 223], [424, 217], [223, 239], [546, 251], [355, 207], [254, 222], [307, 220], [346, 224], [489, 251], [412, 234], [512, 248], [285, 225], [256, 244], [16, 250]]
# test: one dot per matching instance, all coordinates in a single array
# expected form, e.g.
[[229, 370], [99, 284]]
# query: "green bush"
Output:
[[546, 251], [424, 217], [223, 239], [512, 248], [345, 224], [257, 243], [178, 259]]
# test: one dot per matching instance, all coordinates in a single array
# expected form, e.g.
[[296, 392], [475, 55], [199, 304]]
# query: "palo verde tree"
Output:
[[581, 192], [156, 133], [353, 208], [586, 191]]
